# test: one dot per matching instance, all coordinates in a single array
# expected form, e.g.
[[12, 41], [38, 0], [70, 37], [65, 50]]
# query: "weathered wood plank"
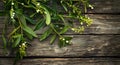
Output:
[[105, 6], [63, 61], [82, 45], [1, 5], [100, 6], [102, 24]]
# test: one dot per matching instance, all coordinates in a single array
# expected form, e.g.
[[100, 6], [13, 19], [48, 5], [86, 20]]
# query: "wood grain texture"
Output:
[[105, 6], [63, 61], [102, 38], [82, 45], [102, 24]]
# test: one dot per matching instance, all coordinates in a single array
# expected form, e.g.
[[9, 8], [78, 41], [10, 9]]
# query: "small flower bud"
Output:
[[38, 11], [12, 17], [12, 3], [22, 3], [38, 4], [81, 23], [63, 39], [23, 44], [67, 41]]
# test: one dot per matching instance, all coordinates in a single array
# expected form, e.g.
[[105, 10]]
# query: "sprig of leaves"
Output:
[[56, 15]]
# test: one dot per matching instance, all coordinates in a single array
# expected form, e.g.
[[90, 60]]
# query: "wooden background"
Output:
[[98, 45]]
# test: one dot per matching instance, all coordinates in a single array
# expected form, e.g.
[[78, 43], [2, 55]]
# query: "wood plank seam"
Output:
[[32, 57]]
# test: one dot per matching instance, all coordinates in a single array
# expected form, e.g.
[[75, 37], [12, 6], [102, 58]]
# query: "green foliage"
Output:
[[64, 41], [56, 15]]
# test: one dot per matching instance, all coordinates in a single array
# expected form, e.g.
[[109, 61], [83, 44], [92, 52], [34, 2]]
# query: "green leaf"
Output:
[[64, 6], [49, 8], [29, 30], [13, 31], [48, 17], [53, 39], [11, 12], [64, 41], [16, 35], [21, 17], [29, 35], [17, 41], [62, 18], [45, 34], [30, 20], [4, 41], [65, 29], [39, 25], [32, 15]]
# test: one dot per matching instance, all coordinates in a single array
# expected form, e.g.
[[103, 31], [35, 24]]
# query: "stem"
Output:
[[13, 31], [62, 19], [85, 9], [51, 25], [4, 35], [21, 27]]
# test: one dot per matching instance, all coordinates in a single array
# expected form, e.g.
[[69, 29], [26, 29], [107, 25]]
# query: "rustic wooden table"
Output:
[[98, 45]]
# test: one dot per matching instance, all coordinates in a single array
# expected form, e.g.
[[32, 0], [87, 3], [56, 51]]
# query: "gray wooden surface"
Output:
[[105, 6], [101, 39], [63, 61], [82, 45]]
